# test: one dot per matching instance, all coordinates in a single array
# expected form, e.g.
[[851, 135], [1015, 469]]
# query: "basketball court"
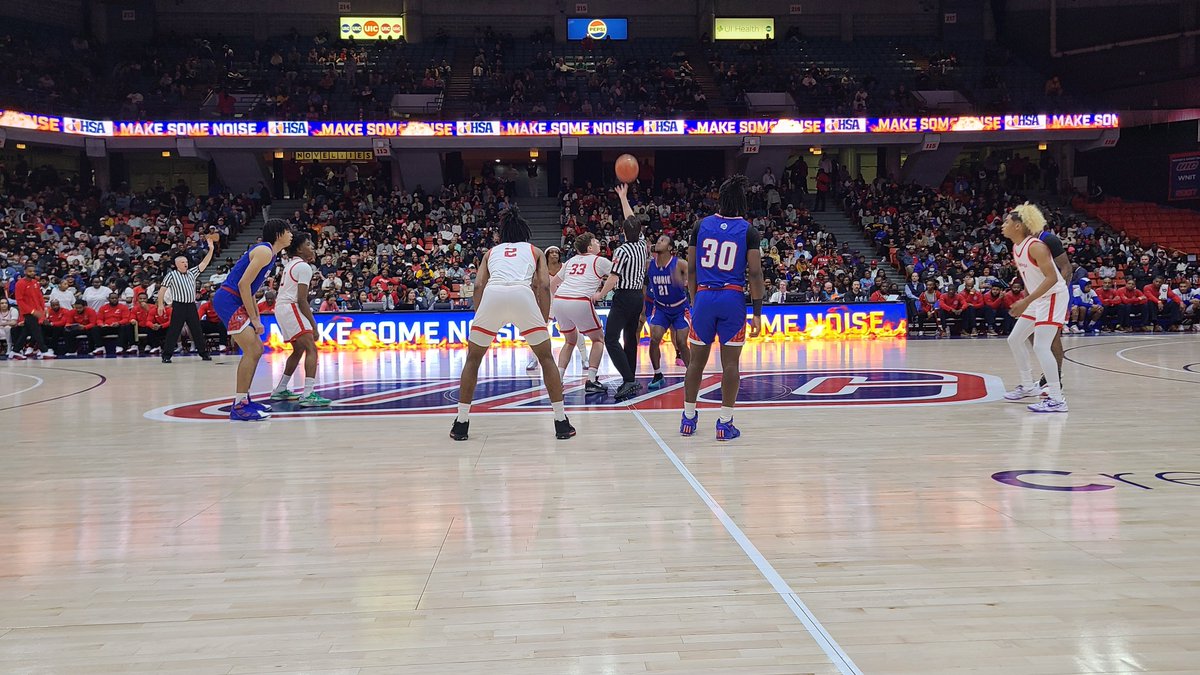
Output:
[[885, 512]]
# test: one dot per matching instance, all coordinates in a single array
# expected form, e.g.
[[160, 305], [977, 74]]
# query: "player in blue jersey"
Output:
[[723, 253], [666, 284], [234, 303]]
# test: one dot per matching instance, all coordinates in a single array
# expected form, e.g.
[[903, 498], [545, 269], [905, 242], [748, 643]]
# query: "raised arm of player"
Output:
[[481, 280], [541, 283], [622, 191], [260, 257]]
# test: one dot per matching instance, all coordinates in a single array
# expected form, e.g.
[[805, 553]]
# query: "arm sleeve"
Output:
[[753, 239], [1055, 245]]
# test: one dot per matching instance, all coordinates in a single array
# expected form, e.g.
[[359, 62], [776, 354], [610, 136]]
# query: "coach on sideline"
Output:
[[181, 281]]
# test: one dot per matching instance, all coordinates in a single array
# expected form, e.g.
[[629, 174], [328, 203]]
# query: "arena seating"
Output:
[[1176, 229]]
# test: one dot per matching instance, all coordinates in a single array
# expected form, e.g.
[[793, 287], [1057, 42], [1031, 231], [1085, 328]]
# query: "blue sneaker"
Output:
[[245, 412], [687, 425], [260, 407], [726, 431], [657, 383]]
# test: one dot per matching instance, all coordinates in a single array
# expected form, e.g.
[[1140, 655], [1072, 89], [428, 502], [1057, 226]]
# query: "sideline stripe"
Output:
[[830, 646]]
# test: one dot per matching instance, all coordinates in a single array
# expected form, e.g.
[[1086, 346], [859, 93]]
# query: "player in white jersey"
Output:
[[295, 319], [1042, 313], [513, 287], [575, 288]]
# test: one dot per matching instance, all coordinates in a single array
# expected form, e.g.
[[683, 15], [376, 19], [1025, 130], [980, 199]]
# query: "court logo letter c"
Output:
[[1013, 478]]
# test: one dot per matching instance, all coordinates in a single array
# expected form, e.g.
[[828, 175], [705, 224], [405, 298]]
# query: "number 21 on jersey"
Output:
[[719, 254]]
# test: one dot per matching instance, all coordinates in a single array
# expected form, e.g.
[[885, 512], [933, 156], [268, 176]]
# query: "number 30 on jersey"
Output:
[[719, 254]]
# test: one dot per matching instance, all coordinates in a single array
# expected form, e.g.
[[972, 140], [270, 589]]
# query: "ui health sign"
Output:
[[1184, 176], [743, 29], [411, 330], [371, 27]]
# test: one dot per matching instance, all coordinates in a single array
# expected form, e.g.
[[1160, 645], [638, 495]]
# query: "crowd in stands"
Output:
[[595, 81], [84, 248], [961, 278]]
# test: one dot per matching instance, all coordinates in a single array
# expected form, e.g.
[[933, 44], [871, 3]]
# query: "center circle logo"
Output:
[[371, 28], [597, 29], [776, 390]]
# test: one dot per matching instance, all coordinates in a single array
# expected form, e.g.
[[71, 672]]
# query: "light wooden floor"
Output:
[[375, 545]]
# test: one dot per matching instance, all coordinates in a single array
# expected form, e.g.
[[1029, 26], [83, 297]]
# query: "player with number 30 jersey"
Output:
[[723, 254]]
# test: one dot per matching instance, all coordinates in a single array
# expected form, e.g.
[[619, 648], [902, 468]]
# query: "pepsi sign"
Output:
[[598, 29]]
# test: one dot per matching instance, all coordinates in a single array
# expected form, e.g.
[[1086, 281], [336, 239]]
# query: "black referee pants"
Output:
[[624, 319], [184, 312]]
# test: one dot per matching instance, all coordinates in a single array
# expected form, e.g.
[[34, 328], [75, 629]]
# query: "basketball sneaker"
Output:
[[679, 362], [246, 412], [531, 364], [726, 431], [285, 395], [1022, 392], [1049, 406], [563, 429], [313, 400], [16, 356], [627, 390], [459, 431], [687, 425], [594, 387], [657, 383], [261, 407]]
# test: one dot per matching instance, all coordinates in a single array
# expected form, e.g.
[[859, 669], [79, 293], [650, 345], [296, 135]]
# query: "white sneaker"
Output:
[[532, 364], [134, 350], [1075, 330], [48, 354], [120, 350], [1049, 406], [98, 351], [156, 350], [222, 349], [29, 351], [1022, 392], [16, 356]]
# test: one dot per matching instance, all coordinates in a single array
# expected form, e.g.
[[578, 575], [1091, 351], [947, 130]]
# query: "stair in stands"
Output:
[[840, 226], [281, 208], [457, 101], [543, 215]]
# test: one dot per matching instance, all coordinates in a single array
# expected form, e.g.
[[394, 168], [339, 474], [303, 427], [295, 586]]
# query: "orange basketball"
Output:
[[627, 168]]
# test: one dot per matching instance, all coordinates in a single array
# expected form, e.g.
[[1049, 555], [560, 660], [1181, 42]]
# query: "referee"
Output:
[[181, 281], [631, 261]]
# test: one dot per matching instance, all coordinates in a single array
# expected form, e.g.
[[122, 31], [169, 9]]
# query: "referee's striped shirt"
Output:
[[182, 285], [631, 261]]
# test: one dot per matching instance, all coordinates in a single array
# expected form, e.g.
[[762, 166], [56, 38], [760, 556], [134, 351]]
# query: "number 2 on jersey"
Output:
[[722, 253]]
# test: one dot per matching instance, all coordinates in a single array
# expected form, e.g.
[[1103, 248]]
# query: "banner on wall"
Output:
[[1184, 176], [417, 330], [740, 28], [598, 29], [371, 27], [483, 128]]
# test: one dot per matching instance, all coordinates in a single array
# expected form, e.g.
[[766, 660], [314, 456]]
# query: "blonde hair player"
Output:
[[1042, 313], [513, 287]]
